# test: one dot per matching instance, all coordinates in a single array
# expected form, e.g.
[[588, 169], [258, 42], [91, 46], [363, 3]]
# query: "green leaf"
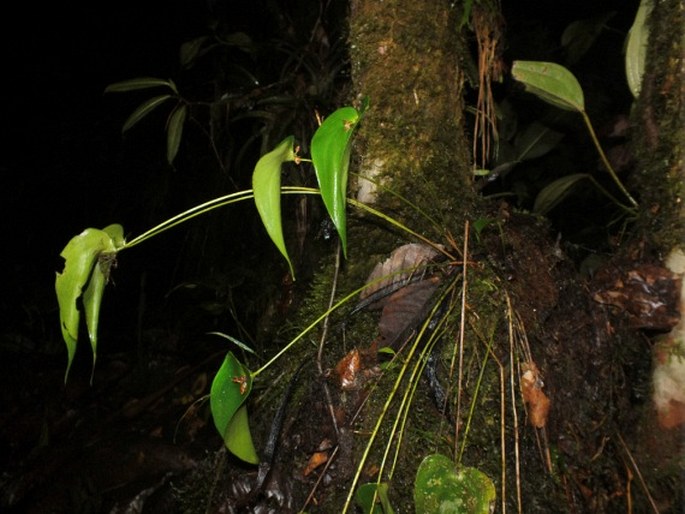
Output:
[[553, 193], [230, 388], [235, 341], [81, 255], [439, 487], [535, 141], [143, 110], [190, 50], [551, 82], [580, 35], [266, 185], [636, 47], [365, 495], [140, 83], [331, 146], [175, 131]]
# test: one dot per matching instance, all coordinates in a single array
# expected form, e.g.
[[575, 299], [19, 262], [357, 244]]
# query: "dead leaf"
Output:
[[537, 401], [404, 264], [348, 369], [316, 460]]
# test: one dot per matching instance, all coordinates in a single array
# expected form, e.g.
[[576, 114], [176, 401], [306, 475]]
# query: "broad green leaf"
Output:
[[81, 258], [636, 47], [440, 488], [230, 388], [143, 110], [555, 192], [365, 494], [551, 82], [266, 185], [331, 146], [175, 131], [140, 83]]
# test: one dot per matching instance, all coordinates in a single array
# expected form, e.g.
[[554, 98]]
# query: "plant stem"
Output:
[[606, 162]]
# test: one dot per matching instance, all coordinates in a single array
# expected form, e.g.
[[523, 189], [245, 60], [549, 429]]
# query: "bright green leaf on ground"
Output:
[[87, 261], [553, 193], [143, 110], [365, 496], [551, 82], [266, 185], [331, 146], [175, 131], [440, 487], [230, 388]]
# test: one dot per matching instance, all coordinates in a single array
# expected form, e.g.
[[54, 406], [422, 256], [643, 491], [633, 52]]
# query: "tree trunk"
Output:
[[534, 377]]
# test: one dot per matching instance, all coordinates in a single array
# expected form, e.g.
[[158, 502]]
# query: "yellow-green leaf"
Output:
[[81, 256], [266, 185], [331, 146], [551, 82], [636, 47], [553, 193]]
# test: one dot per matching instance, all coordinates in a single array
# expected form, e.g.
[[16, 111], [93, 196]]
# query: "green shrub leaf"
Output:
[[266, 185], [140, 83], [143, 110], [365, 495], [551, 82], [88, 258], [331, 147], [175, 131], [555, 192], [230, 388], [439, 487]]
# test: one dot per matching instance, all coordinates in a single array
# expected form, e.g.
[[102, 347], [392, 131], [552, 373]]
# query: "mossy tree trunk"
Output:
[[525, 313]]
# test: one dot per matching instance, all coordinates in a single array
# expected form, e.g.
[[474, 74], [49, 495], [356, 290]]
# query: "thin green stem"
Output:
[[606, 162]]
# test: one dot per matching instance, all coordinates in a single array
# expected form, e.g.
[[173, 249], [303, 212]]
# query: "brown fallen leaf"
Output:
[[537, 401], [316, 460]]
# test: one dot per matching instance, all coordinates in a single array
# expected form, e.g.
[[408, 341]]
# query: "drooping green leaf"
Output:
[[535, 141], [175, 131], [553, 193], [266, 185], [190, 50], [331, 146], [636, 47], [580, 35], [439, 488], [81, 256], [365, 495], [551, 82], [230, 388], [143, 110], [140, 83]]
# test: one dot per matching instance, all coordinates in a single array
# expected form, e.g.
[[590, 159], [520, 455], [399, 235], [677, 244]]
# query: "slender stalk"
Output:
[[606, 162]]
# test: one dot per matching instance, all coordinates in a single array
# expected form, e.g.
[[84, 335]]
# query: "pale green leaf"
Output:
[[140, 83], [266, 185], [636, 47], [175, 131], [331, 147], [365, 495], [143, 110], [550, 82], [230, 388], [81, 255], [553, 193]]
